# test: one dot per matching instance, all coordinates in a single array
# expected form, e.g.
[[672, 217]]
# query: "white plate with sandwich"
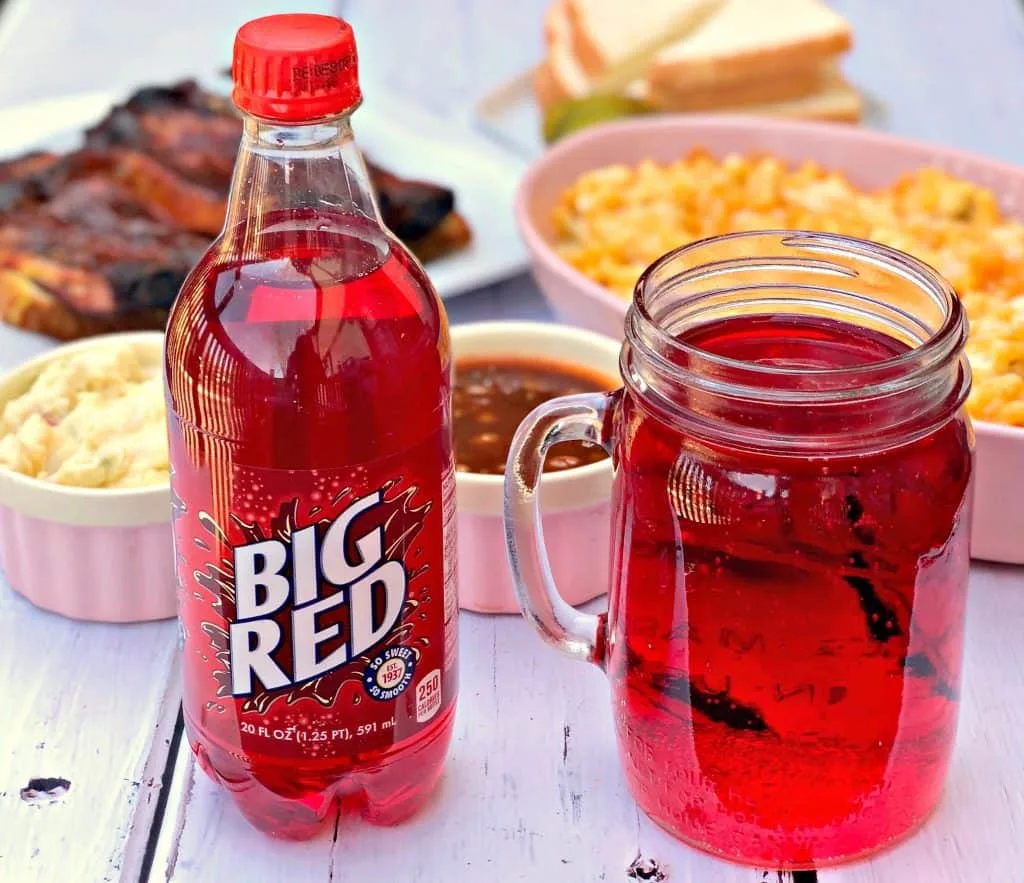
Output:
[[606, 59]]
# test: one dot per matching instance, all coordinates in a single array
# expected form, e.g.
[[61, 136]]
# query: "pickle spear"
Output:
[[571, 116]]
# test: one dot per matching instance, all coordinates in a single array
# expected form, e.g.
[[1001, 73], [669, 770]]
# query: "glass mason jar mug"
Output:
[[791, 514]]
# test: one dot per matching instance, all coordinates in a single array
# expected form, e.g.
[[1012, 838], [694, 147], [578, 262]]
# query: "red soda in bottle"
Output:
[[309, 375]]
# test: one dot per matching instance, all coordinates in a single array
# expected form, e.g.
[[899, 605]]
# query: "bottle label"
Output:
[[307, 591], [317, 604]]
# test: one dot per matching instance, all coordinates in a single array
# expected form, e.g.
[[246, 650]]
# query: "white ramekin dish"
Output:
[[87, 553], [575, 503]]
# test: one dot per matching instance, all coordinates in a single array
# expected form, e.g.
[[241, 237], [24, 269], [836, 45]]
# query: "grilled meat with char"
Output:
[[101, 239]]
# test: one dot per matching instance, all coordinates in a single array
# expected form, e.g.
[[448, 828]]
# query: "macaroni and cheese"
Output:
[[615, 221]]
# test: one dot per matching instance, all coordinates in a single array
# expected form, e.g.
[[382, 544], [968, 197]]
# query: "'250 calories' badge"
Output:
[[389, 673]]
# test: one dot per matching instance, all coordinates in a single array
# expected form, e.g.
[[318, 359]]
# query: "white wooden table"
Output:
[[532, 789]]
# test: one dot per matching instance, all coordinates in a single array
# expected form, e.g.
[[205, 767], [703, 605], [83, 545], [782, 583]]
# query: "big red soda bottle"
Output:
[[308, 373]]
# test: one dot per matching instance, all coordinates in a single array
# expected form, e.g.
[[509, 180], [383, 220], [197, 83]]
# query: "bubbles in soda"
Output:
[[787, 631], [309, 384]]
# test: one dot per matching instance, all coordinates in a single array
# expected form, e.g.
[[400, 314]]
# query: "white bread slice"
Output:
[[792, 87], [615, 40], [835, 100], [562, 76], [838, 101], [548, 89], [569, 77], [786, 85], [751, 38]]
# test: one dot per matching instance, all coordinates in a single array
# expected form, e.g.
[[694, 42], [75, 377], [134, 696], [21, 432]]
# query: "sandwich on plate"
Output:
[[606, 58]]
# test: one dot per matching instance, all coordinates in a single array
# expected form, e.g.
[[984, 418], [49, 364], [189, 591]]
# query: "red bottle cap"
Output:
[[295, 68]]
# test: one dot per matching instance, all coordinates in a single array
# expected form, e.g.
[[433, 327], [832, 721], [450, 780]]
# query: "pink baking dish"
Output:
[[91, 554], [574, 503], [869, 159]]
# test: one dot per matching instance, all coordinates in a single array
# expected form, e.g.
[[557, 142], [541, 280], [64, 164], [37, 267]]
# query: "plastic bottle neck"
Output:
[[308, 169]]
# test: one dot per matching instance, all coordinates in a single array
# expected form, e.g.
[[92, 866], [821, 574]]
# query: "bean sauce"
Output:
[[492, 396]]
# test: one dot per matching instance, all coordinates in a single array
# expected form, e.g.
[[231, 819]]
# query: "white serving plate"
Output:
[[397, 135]]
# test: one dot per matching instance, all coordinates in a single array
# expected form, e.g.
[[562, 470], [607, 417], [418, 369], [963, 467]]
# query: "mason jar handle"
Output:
[[570, 418]]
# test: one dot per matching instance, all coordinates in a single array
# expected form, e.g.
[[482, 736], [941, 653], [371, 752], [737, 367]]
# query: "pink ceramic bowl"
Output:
[[869, 159], [575, 504], [87, 553]]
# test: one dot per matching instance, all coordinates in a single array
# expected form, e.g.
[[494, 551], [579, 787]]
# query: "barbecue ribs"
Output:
[[101, 239]]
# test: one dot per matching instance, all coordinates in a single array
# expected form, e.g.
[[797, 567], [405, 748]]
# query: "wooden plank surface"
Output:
[[533, 790], [944, 71], [93, 704], [54, 48]]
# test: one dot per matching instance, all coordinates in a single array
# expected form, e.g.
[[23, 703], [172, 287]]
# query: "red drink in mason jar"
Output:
[[309, 375], [788, 630], [791, 516]]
